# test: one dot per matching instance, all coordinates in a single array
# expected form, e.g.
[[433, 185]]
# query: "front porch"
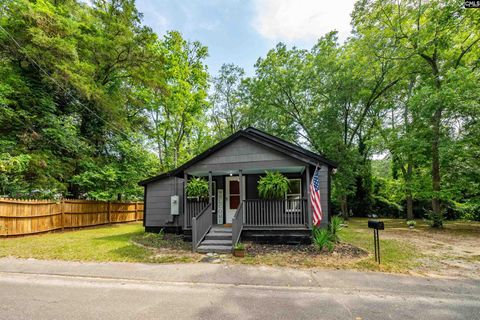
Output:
[[233, 201], [260, 214]]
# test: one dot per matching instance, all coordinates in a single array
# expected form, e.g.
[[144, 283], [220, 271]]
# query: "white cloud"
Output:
[[301, 20]]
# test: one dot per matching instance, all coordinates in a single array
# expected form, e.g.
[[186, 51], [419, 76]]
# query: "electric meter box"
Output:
[[174, 205]]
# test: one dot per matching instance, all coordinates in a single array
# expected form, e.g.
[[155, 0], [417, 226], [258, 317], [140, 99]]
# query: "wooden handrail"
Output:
[[192, 209], [201, 224], [237, 225]]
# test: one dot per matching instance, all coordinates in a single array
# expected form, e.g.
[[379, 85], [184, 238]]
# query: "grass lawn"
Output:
[[106, 243], [452, 251]]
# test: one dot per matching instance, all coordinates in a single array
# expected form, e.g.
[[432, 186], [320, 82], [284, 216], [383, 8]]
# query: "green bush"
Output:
[[382, 207], [152, 239], [411, 223], [465, 211], [335, 227], [323, 238], [435, 220], [273, 185], [197, 187], [329, 236], [239, 246]]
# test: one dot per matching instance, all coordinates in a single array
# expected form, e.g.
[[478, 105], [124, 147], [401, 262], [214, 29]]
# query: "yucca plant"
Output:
[[273, 185], [323, 238], [334, 227]]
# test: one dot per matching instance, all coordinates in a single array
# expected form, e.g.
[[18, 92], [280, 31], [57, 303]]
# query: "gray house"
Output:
[[234, 210]]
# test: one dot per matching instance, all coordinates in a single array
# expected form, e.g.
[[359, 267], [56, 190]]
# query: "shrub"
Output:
[[323, 238], [334, 228], [411, 223], [239, 246], [197, 187], [152, 239], [466, 211], [435, 220], [382, 207], [329, 236], [273, 185]]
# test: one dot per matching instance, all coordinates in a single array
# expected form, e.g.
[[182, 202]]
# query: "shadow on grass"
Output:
[[119, 237], [132, 253]]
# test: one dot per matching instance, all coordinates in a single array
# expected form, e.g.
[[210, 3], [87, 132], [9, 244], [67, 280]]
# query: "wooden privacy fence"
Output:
[[21, 217]]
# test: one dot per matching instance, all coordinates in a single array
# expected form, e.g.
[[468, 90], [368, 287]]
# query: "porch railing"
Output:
[[237, 224], [194, 207], [201, 224], [275, 213]]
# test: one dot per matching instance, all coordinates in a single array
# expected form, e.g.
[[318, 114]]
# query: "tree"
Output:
[[325, 99], [226, 100], [71, 72], [438, 41], [176, 111]]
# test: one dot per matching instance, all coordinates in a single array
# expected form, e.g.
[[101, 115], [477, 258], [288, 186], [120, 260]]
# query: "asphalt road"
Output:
[[31, 289]]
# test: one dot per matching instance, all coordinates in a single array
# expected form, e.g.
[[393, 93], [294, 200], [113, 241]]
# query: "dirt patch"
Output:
[[453, 251], [344, 250], [167, 248]]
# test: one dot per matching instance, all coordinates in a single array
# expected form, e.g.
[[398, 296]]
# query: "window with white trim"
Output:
[[294, 195]]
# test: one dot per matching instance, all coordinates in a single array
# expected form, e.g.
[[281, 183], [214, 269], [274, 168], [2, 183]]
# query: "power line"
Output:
[[60, 86]]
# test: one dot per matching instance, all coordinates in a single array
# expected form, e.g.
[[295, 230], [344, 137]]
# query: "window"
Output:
[[294, 195]]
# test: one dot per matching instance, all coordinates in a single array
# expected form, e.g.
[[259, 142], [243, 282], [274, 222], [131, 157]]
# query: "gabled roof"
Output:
[[258, 136]]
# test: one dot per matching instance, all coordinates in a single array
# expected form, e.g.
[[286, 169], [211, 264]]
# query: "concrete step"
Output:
[[210, 236], [221, 230], [214, 248], [220, 233], [215, 242]]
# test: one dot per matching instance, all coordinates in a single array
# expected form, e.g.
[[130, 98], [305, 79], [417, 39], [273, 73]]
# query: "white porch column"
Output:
[[309, 202]]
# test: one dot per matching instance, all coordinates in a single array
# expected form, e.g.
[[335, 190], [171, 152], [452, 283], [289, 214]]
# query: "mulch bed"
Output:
[[342, 249], [166, 241]]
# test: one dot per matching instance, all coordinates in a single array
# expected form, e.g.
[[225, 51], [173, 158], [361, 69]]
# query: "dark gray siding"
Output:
[[324, 194], [243, 154], [157, 202]]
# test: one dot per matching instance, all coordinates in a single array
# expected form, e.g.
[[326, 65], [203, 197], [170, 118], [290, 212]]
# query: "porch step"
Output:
[[218, 240], [213, 236], [214, 248], [221, 230]]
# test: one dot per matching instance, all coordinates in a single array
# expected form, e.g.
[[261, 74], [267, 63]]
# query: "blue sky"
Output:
[[242, 31]]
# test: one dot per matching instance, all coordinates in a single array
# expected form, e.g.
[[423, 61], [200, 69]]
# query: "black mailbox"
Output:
[[376, 225]]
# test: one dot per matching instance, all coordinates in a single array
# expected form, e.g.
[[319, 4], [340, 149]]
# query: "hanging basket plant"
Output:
[[273, 185], [197, 188]]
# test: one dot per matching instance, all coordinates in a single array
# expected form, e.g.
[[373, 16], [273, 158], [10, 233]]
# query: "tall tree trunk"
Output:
[[436, 180], [409, 197]]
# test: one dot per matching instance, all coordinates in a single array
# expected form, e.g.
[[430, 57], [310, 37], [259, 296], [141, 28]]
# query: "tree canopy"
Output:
[[92, 101]]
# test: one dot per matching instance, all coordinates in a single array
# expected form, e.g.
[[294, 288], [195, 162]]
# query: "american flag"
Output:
[[315, 197]]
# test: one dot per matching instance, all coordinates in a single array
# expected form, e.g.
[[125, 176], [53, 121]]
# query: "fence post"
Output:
[[62, 211], [136, 211], [109, 212]]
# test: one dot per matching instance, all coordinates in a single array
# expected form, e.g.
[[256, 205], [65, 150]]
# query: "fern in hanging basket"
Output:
[[273, 185], [197, 188]]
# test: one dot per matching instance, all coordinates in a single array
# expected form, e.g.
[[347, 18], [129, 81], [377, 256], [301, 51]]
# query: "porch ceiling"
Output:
[[297, 169]]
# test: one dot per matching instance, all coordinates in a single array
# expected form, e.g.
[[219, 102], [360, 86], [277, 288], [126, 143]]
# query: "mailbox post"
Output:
[[376, 225]]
